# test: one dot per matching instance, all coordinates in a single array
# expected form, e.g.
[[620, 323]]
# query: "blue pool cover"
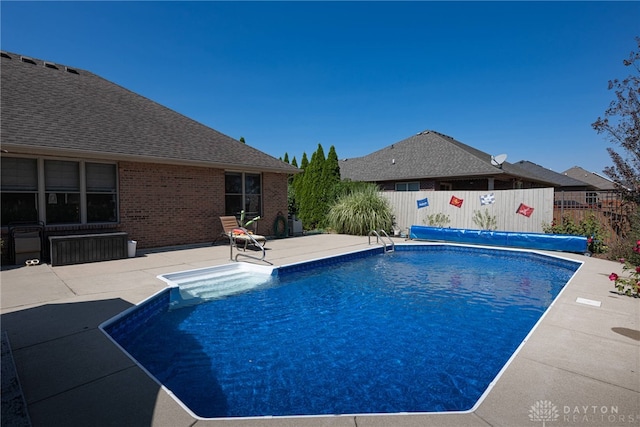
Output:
[[551, 242]]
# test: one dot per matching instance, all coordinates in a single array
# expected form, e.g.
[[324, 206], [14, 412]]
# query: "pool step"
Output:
[[218, 285]]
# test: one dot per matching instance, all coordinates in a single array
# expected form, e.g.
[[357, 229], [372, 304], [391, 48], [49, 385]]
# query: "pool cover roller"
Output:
[[551, 242]]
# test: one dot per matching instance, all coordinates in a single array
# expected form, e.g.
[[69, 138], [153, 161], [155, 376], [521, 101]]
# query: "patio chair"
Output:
[[239, 235]]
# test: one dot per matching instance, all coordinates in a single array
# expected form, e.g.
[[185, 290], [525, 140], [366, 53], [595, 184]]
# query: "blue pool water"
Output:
[[424, 329]]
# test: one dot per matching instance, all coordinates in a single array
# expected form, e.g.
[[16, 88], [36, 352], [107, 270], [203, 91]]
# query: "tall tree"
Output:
[[299, 178], [310, 194], [286, 157], [331, 177], [332, 165], [304, 163], [621, 125], [293, 189]]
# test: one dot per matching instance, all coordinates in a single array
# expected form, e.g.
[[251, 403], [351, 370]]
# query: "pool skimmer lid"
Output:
[[588, 302]]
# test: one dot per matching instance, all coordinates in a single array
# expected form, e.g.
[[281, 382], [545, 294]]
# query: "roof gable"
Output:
[[427, 154], [47, 106], [591, 178]]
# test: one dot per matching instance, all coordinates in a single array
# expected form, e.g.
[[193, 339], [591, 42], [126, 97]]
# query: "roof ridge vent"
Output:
[[5, 55], [71, 70], [442, 134], [27, 60], [50, 65]]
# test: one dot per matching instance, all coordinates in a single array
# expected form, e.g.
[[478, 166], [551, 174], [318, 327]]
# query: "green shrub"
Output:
[[589, 227], [630, 284], [437, 220], [359, 211], [485, 220]]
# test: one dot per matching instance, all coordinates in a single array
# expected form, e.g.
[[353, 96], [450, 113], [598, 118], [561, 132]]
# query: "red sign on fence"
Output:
[[456, 202], [525, 210]]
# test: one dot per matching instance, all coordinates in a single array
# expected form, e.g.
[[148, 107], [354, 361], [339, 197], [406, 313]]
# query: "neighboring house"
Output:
[[84, 155], [561, 182], [569, 193], [432, 161], [597, 181], [604, 194]]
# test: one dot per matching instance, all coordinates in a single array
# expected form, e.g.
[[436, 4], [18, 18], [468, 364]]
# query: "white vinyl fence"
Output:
[[504, 208]]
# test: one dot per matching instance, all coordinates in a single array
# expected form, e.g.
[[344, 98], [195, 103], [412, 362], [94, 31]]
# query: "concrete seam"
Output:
[[80, 385], [582, 375]]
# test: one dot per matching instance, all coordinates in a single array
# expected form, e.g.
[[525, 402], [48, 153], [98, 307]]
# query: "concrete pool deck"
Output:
[[582, 361]]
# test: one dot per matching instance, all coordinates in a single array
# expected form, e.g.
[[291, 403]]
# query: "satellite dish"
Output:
[[498, 160]]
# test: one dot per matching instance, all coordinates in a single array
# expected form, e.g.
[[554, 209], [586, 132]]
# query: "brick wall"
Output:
[[165, 205], [274, 196]]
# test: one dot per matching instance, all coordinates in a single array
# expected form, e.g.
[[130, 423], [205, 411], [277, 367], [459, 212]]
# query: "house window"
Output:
[[446, 186], [62, 191], [19, 190], [58, 191], [243, 191], [101, 192], [407, 186]]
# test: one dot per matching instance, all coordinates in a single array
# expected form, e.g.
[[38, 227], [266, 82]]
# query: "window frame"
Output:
[[407, 185], [244, 195], [445, 186], [19, 199], [43, 192], [93, 193], [64, 194]]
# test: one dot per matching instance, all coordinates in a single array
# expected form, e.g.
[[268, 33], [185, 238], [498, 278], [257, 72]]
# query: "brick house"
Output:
[[81, 154]]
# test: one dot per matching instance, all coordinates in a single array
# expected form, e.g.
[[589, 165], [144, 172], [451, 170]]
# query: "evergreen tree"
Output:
[[286, 157], [315, 189], [332, 165], [331, 177], [310, 192], [318, 190], [298, 182], [294, 187]]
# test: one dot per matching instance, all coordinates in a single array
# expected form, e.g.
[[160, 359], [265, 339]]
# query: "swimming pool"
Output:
[[424, 329]]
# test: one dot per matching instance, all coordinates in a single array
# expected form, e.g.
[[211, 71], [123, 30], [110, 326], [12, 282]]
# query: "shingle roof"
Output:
[[591, 178], [558, 179], [428, 154], [51, 108]]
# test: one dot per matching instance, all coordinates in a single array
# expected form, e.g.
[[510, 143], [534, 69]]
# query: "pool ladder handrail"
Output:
[[232, 243], [380, 238]]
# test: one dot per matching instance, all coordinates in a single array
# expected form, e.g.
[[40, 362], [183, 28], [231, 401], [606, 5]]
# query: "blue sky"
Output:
[[525, 79]]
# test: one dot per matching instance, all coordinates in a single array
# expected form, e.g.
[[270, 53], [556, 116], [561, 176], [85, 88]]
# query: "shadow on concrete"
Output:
[[634, 334], [14, 408], [71, 373]]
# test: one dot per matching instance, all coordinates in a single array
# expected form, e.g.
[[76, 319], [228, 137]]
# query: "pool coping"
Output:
[[577, 355], [172, 281]]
